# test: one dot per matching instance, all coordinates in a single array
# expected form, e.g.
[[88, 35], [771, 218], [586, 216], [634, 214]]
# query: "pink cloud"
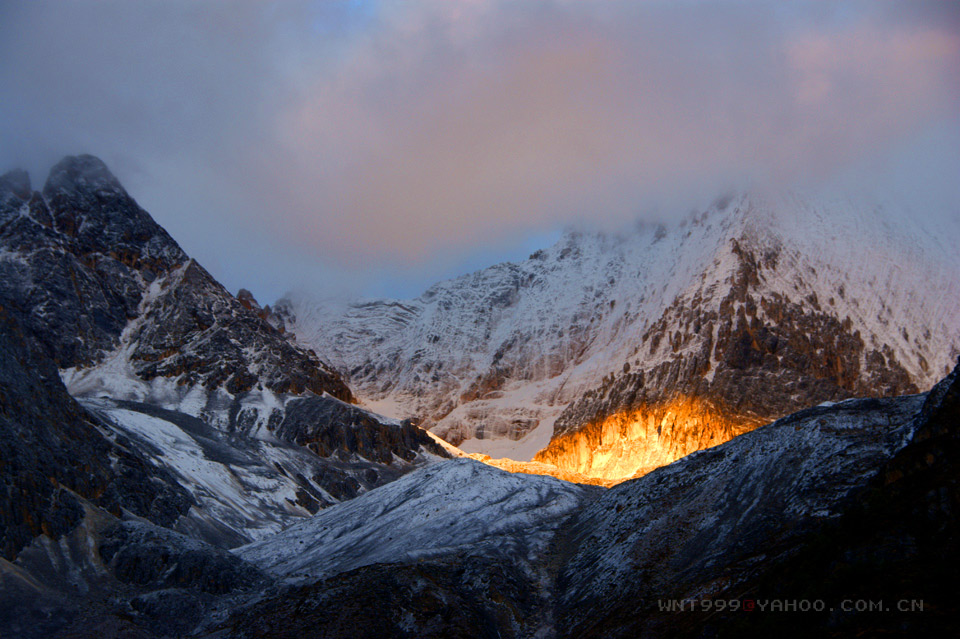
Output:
[[434, 126]]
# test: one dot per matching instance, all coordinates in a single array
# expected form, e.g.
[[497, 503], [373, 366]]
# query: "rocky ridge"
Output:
[[164, 355], [151, 420], [81, 253]]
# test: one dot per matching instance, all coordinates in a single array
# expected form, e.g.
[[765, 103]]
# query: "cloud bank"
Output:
[[333, 139]]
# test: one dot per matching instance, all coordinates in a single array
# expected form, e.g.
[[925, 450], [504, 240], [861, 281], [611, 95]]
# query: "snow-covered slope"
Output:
[[246, 488], [457, 505], [862, 296]]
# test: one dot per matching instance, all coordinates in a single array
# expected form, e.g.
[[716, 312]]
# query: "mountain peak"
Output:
[[89, 205], [822, 296], [81, 173], [17, 182]]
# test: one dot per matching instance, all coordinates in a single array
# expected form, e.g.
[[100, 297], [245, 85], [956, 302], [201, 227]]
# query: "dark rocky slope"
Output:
[[108, 504], [851, 515], [53, 454], [893, 557], [139, 330], [63, 480]]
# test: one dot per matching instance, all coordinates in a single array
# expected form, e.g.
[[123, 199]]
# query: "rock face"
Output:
[[742, 360], [54, 456], [78, 254], [95, 279], [151, 556], [193, 330], [614, 354], [330, 428], [174, 368]]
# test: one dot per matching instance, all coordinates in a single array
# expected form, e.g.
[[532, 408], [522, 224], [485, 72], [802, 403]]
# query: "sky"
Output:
[[374, 147]]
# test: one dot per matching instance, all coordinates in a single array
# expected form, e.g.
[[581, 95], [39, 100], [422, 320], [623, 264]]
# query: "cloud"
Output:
[[353, 135]]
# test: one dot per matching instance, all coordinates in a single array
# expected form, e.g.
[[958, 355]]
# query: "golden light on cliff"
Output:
[[630, 444]]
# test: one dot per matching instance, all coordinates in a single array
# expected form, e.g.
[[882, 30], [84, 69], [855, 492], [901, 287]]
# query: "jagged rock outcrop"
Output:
[[171, 402], [78, 255], [331, 428], [179, 370], [193, 330], [83, 254]]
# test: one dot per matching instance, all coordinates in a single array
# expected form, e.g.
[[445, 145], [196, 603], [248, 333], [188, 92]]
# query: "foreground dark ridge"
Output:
[[714, 525]]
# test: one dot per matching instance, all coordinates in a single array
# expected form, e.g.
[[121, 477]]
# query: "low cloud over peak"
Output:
[[368, 133]]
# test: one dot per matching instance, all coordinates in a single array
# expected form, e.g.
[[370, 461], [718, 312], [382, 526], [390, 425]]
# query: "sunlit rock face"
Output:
[[633, 442], [541, 468], [678, 336]]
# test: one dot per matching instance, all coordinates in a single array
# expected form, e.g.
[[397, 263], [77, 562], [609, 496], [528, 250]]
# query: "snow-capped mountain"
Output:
[[201, 389], [610, 354], [82, 254], [177, 422]]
